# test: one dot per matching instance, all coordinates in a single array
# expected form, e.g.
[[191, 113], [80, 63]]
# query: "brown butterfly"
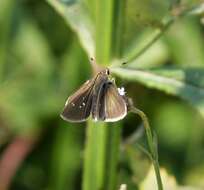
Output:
[[98, 97]]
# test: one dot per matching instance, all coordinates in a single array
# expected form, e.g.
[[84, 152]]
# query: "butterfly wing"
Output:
[[78, 106], [115, 107], [97, 109]]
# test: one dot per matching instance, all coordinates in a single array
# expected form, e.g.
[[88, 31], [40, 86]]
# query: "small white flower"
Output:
[[121, 91]]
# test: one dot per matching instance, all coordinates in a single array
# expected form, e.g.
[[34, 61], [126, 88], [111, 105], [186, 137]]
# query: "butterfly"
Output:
[[99, 98]]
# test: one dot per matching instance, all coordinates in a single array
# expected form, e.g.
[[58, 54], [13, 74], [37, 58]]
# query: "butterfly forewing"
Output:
[[78, 106], [115, 107]]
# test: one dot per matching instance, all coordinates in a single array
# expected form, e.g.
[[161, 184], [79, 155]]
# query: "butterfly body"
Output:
[[98, 97]]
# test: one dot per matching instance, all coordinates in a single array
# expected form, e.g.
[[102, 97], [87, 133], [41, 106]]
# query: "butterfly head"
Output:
[[105, 71]]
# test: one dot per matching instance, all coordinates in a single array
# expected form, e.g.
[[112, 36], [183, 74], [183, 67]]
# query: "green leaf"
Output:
[[182, 35], [154, 56], [143, 39], [147, 21], [76, 15], [147, 12], [187, 84]]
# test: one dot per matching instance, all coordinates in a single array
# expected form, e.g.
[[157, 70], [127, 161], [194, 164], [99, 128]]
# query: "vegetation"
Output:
[[45, 47]]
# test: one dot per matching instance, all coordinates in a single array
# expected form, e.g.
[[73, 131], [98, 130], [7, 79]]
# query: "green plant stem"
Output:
[[112, 155], [150, 143], [104, 28], [94, 160], [119, 28], [102, 142]]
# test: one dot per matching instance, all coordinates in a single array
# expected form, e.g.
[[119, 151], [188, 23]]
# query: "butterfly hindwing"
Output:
[[114, 105]]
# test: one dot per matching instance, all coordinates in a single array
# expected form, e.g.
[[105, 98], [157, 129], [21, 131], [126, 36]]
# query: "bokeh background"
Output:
[[42, 62]]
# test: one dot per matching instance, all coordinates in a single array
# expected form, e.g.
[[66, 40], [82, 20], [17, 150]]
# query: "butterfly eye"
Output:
[[109, 83], [107, 72]]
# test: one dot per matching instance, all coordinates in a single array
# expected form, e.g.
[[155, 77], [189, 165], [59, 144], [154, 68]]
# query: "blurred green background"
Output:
[[43, 60]]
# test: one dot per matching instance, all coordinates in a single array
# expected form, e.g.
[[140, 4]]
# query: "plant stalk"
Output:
[[103, 140], [152, 149]]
